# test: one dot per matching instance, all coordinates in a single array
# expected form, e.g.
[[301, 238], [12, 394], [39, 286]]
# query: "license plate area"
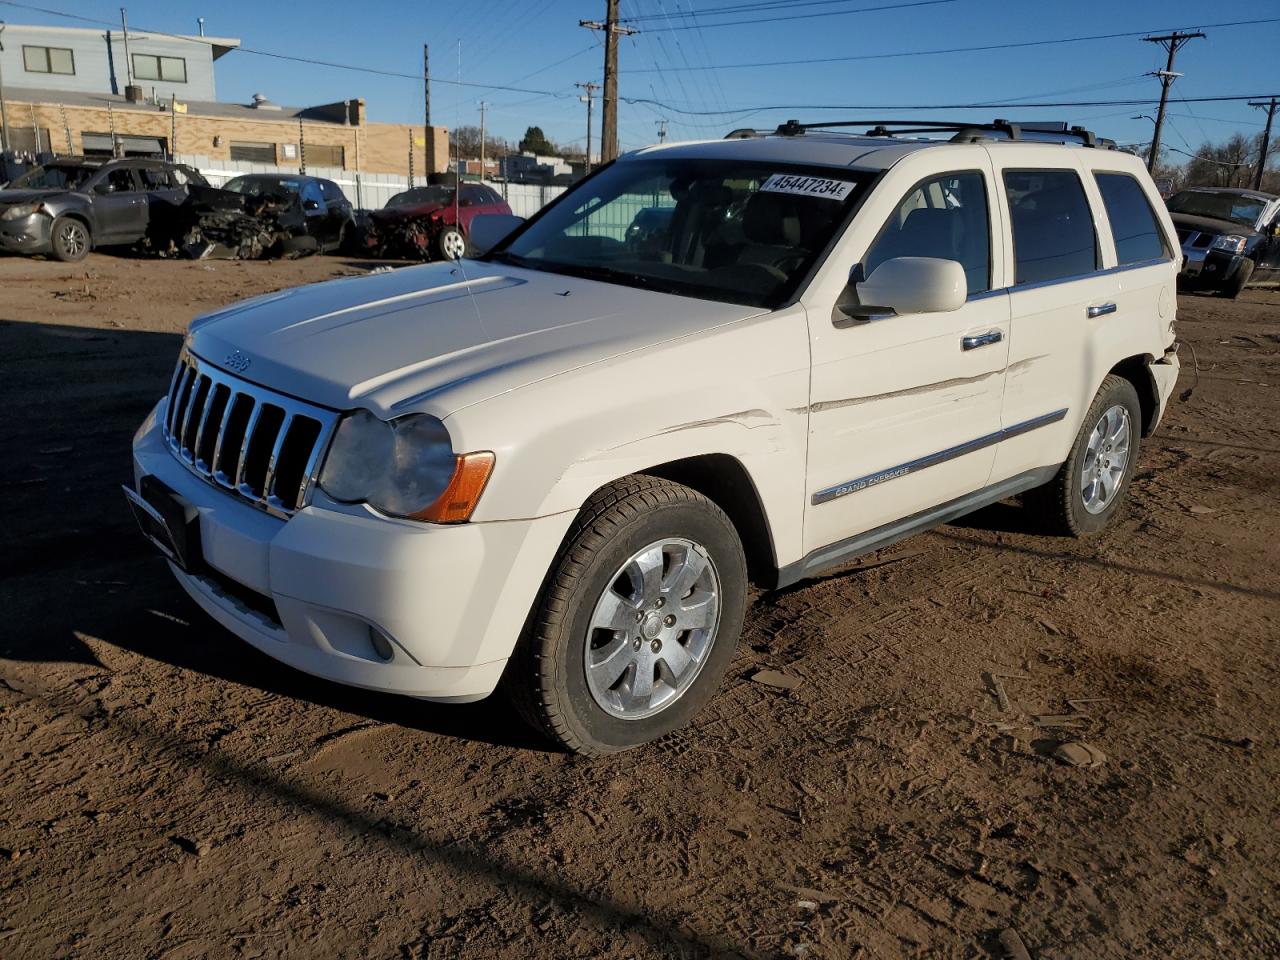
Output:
[[163, 520]]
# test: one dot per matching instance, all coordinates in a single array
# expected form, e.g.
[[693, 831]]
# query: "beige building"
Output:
[[335, 135]]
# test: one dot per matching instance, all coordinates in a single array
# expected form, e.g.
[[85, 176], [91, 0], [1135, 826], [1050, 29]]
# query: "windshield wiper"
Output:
[[608, 275]]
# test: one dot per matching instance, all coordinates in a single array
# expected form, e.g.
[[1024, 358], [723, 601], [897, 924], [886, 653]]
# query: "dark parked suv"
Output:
[[1229, 237], [67, 207]]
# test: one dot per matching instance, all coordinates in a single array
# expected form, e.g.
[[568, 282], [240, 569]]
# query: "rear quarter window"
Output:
[[1134, 226], [1053, 232]]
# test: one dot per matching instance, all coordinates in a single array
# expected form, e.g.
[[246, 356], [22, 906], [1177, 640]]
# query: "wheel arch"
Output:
[[723, 480], [1137, 370], [81, 217]]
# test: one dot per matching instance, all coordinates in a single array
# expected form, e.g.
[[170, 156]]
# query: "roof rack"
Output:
[[1052, 131]]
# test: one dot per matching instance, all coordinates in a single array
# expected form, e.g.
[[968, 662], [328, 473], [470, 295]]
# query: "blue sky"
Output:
[[538, 46]]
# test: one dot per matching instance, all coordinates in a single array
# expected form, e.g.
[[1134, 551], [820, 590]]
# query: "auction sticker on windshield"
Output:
[[807, 186]]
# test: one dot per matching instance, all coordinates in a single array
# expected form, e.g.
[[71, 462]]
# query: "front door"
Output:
[[119, 207], [905, 411], [1267, 257]]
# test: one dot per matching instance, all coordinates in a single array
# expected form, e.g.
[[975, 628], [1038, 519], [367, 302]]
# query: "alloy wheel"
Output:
[[1106, 458], [652, 629], [72, 239]]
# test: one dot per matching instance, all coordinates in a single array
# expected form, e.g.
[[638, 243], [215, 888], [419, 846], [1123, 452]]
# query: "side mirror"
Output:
[[105, 187], [311, 206], [490, 229], [908, 285]]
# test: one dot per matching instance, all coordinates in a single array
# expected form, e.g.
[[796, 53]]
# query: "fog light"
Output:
[[381, 645]]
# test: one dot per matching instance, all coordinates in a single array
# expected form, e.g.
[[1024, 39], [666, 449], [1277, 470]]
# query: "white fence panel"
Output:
[[368, 191]]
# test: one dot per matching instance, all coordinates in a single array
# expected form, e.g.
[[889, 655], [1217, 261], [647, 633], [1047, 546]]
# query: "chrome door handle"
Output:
[[1101, 310], [981, 340]]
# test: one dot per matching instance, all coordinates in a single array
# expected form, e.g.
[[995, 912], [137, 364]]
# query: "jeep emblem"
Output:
[[237, 361]]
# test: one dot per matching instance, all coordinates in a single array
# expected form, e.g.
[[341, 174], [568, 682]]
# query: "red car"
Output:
[[430, 221]]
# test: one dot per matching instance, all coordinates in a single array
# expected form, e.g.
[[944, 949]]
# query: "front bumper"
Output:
[[30, 234], [1203, 268], [450, 601]]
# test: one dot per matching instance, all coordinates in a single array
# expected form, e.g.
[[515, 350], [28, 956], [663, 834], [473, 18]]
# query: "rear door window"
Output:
[[1053, 232], [1134, 226], [154, 178]]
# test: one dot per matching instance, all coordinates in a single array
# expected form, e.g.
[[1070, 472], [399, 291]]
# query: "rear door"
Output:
[[1062, 300], [162, 188]]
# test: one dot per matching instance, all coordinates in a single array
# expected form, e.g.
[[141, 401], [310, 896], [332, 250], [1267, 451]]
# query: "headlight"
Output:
[[18, 211], [1231, 244], [405, 468]]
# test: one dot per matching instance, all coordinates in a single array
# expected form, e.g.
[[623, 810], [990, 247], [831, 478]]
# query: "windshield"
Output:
[[263, 186], [422, 195], [1220, 206], [716, 229], [55, 176]]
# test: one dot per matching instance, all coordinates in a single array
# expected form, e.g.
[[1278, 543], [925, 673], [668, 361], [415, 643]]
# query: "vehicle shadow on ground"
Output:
[[72, 563]]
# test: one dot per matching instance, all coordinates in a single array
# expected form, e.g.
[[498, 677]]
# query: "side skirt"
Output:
[[835, 554]]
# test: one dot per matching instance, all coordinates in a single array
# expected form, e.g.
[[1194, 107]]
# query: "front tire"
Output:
[[1087, 491], [69, 239], [1236, 285], [451, 244], [637, 621]]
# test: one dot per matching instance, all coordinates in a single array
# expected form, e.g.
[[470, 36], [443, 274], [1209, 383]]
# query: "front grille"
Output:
[[258, 444]]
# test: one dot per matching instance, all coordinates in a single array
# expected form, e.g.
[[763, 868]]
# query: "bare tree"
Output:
[[466, 140], [1228, 164]]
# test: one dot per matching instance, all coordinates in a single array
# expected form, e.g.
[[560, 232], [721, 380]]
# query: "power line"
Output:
[[947, 50], [905, 107], [737, 8], [799, 16]]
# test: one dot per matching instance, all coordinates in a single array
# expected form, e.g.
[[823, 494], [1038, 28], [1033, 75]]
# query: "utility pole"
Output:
[[4, 120], [612, 30], [1172, 42], [1269, 106], [591, 88], [426, 89], [482, 109], [411, 158], [662, 130], [128, 64]]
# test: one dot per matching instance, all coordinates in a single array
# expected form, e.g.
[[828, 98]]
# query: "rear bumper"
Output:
[[324, 590], [28, 235], [1164, 372]]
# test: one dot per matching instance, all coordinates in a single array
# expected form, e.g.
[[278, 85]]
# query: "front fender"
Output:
[[740, 390]]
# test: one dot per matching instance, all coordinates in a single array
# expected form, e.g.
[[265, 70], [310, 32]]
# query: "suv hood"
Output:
[[1210, 224], [401, 339], [9, 197]]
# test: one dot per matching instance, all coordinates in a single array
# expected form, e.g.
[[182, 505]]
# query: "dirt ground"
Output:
[[168, 792]]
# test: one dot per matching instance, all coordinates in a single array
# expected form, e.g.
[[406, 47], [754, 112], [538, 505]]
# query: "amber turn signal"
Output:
[[457, 503]]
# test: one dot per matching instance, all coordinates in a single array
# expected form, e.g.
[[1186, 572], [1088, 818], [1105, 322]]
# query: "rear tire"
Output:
[[69, 239], [594, 689], [1087, 491]]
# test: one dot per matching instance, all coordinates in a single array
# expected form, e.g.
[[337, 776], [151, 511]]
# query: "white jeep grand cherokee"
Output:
[[557, 465]]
